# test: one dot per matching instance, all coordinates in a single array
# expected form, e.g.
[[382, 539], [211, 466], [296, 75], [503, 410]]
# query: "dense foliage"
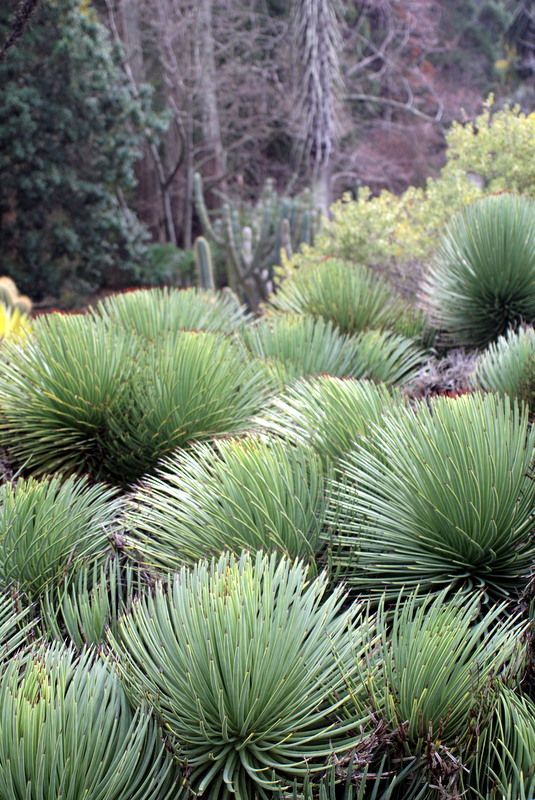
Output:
[[298, 586], [69, 138]]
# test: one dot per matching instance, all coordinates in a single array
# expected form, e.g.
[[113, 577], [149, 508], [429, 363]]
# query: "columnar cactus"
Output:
[[254, 235], [203, 263]]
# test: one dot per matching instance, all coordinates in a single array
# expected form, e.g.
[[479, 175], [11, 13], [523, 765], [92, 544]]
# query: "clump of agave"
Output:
[[234, 494], [59, 557], [507, 366], [152, 313], [483, 279], [83, 395], [67, 730], [247, 663], [328, 414], [351, 296], [439, 495], [299, 345]]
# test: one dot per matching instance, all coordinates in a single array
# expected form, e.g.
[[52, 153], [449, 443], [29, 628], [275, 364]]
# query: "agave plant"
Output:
[[297, 345], [48, 525], [386, 357], [242, 660], [430, 676], [441, 495], [351, 296], [234, 494], [81, 396], [329, 414], [153, 312], [504, 766], [89, 600], [15, 627], [483, 281], [508, 365], [190, 386], [66, 730]]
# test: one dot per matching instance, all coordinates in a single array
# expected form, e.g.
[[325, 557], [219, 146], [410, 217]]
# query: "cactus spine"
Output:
[[203, 263]]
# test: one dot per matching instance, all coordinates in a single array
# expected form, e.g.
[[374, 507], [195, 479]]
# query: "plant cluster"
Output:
[[238, 562]]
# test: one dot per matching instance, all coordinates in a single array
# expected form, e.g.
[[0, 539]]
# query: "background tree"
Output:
[[317, 46], [70, 132]]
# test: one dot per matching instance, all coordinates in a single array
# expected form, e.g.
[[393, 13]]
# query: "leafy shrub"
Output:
[[483, 279], [507, 366], [153, 312], [166, 263], [49, 525], [67, 731], [83, 395], [327, 414], [242, 660], [235, 494], [392, 232], [439, 496]]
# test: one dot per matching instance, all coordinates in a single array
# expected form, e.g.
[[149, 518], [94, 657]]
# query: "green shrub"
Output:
[[14, 627], [439, 496], [153, 312], [82, 395], [328, 414], [483, 280], [393, 231], [49, 525], [66, 730], [507, 366], [69, 140], [242, 660], [235, 494]]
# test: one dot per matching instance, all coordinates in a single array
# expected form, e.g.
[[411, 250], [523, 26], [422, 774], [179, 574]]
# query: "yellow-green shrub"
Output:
[[493, 154]]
